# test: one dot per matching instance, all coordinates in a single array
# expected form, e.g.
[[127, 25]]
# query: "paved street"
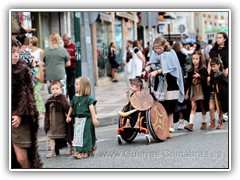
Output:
[[197, 149]]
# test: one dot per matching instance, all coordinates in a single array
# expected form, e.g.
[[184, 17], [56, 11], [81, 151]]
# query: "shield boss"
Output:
[[141, 100]]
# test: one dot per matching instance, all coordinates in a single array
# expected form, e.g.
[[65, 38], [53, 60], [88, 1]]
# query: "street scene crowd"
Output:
[[162, 76]]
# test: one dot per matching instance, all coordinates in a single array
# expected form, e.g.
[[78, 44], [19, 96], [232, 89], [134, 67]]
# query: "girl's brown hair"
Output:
[[217, 60], [177, 47], [201, 65], [160, 41], [138, 82], [56, 83], [34, 40], [135, 43], [85, 86]]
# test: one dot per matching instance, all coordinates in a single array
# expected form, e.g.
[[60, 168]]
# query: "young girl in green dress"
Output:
[[82, 110]]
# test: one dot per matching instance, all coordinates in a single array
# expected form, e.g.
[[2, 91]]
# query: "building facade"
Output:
[[208, 24], [107, 27]]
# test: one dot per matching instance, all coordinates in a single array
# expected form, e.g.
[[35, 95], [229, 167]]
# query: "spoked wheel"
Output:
[[129, 134]]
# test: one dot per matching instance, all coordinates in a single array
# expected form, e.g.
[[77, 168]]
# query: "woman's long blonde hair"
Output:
[[55, 41], [85, 86]]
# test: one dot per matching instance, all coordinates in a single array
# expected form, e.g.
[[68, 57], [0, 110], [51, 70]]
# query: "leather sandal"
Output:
[[81, 155]]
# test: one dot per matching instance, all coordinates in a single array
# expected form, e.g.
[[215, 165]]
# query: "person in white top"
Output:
[[128, 61], [138, 60], [34, 50], [207, 50]]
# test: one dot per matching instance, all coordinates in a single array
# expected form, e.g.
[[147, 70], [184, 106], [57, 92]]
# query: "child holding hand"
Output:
[[55, 119]]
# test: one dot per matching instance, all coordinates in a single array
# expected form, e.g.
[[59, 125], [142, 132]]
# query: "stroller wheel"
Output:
[[148, 139], [119, 140]]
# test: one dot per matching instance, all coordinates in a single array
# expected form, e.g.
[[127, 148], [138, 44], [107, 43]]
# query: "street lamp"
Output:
[[170, 20]]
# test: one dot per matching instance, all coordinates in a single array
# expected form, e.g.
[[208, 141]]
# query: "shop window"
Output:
[[102, 48]]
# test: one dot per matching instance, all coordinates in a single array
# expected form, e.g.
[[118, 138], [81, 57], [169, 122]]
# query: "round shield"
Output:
[[157, 122], [141, 100]]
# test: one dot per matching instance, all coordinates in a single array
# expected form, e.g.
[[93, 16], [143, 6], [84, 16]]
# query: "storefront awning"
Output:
[[210, 30], [105, 17], [170, 15]]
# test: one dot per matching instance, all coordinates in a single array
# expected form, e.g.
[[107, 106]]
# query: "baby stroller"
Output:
[[152, 118]]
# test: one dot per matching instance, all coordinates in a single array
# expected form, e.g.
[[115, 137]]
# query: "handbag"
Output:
[[40, 74]]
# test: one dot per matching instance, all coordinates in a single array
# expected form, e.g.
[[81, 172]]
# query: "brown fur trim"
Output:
[[23, 104], [61, 105]]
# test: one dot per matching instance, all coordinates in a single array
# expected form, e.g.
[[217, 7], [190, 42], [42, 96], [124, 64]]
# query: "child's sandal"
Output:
[[74, 153], [81, 155]]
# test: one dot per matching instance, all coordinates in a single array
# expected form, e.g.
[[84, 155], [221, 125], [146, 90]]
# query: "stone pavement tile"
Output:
[[108, 109]]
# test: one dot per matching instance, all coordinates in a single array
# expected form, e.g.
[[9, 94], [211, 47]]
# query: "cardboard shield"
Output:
[[141, 100], [157, 122]]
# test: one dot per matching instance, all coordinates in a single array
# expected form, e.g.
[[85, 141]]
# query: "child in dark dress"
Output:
[[219, 93], [197, 89]]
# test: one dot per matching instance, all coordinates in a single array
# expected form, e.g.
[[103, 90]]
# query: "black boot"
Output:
[[57, 150]]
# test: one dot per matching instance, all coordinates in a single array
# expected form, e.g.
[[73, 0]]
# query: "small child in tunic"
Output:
[[55, 119], [82, 109], [219, 93], [133, 119]]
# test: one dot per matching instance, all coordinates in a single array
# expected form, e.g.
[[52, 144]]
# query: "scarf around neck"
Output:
[[169, 63]]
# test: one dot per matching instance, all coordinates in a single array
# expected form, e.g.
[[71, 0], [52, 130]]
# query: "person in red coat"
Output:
[[71, 70]]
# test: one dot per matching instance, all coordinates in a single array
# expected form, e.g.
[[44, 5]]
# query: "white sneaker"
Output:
[[181, 125], [171, 129], [225, 117]]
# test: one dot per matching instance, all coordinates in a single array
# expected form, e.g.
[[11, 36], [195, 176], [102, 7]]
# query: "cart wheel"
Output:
[[119, 140], [148, 139]]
